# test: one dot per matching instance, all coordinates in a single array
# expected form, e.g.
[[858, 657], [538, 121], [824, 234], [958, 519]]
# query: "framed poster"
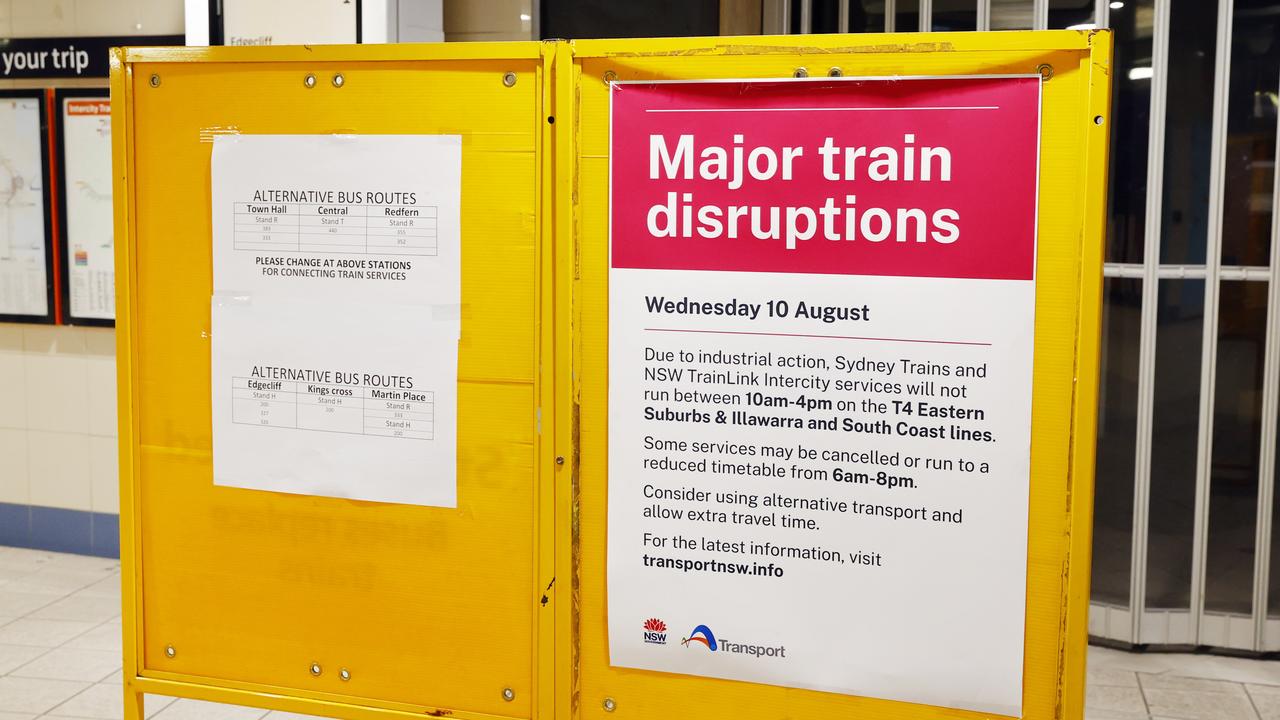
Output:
[[26, 246], [83, 118]]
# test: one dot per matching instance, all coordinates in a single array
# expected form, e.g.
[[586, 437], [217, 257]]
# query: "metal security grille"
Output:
[[1187, 445]]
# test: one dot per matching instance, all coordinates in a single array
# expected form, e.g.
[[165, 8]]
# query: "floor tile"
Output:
[[66, 663], [1092, 714], [82, 608], [17, 604], [185, 709], [1194, 684], [34, 695], [1199, 705], [107, 587], [56, 580], [41, 633], [106, 637], [15, 656], [1266, 700], [1112, 677], [67, 561], [153, 704], [115, 678], [1115, 700], [102, 702], [16, 716]]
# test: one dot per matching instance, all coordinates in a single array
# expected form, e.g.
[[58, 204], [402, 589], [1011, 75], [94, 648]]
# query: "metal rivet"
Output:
[[509, 79], [610, 705], [155, 80], [345, 674], [309, 81], [610, 76], [1045, 70], [559, 459], [1097, 119], [315, 669], [835, 72], [170, 651], [508, 694], [801, 72], [338, 80]]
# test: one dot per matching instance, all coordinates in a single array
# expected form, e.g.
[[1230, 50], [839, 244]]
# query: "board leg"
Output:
[[133, 704]]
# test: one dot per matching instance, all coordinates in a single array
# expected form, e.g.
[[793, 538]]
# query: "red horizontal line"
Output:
[[828, 337]]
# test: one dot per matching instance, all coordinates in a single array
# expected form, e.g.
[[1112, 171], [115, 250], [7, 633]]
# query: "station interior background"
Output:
[[1186, 547]]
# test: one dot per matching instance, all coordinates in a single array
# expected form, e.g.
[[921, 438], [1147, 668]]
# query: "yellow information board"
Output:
[[498, 608], [321, 604]]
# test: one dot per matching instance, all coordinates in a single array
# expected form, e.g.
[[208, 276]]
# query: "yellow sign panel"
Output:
[[498, 608]]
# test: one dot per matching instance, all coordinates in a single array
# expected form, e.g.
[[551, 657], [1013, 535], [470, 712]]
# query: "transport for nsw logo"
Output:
[[655, 631], [701, 634]]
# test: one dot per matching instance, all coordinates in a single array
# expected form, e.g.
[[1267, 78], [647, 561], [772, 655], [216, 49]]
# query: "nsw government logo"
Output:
[[655, 631]]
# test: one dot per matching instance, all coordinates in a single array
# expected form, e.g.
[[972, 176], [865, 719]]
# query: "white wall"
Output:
[[58, 417]]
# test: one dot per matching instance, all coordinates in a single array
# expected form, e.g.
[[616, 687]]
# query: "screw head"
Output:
[[610, 76], [801, 72], [344, 674], [309, 81], [1045, 70], [508, 694], [339, 80], [609, 705], [835, 72], [559, 459], [170, 651], [316, 669], [155, 80], [509, 78]]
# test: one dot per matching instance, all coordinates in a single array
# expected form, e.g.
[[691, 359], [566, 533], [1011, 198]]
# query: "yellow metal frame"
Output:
[[1075, 130], [551, 436], [570, 678]]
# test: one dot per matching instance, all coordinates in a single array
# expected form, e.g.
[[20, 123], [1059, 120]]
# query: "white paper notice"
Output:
[[24, 274], [335, 315], [821, 337], [86, 145]]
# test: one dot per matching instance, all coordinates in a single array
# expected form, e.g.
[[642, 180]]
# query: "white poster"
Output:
[[24, 271], [821, 324], [289, 22], [86, 147], [336, 315]]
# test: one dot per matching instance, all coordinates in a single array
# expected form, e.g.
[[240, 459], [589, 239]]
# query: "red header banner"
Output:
[[928, 177]]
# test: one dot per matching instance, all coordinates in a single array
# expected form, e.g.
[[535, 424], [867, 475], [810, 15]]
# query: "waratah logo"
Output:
[[655, 631]]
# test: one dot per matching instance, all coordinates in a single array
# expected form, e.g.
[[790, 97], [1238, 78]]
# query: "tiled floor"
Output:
[[60, 658]]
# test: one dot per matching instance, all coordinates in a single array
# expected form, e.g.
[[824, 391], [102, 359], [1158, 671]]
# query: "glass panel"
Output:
[[1117, 425], [1072, 14], [1251, 133], [866, 16], [1131, 112], [1237, 426], [1175, 431], [1188, 132], [906, 16], [1011, 14], [955, 15], [826, 15]]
